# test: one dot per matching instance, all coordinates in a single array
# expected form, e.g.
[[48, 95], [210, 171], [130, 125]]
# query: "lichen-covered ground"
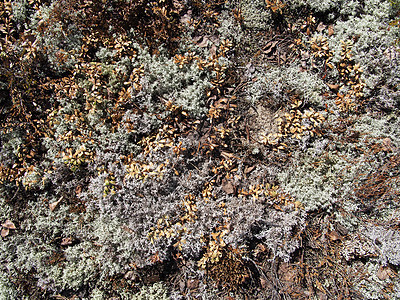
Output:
[[174, 149]]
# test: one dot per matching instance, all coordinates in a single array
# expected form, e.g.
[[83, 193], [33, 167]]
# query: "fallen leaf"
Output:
[[203, 43], [214, 39], [287, 272], [228, 187], [127, 229], [385, 273], [54, 205], [330, 30], [8, 224], [192, 284], [227, 155], [268, 48], [321, 27], [185, 19], [5, 232], [213, 50], [78, 189], [387, 145], [182, 285], [333, 86], [334, 236], [66, 241], [264, 283], [131, 275], [247, 170]]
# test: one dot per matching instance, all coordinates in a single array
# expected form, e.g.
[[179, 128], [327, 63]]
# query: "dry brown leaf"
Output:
[[387, 145], [228, 187], [193, 284], [288, 273], [333, 86], [4, 232], [268, 48], [264, 283], [227, 155], [247, 170], [66, 241], [385, 273], [127, 229], [78, 189], [185, 19], [204, 42], [321, 27], [8, 224], [213, 50], [214, 39], [330, 30], [131, 275], [54, 205], [334, 236]]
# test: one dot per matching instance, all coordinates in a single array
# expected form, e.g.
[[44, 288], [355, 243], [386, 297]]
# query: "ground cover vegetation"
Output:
[[199, 149]]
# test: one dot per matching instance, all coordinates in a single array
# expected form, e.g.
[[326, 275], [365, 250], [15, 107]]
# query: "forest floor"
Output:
[[199, 150]]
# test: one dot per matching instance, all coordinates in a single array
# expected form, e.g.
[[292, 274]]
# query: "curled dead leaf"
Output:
[[127, 229], [66, 241], [227, 155], [334, 236], [54, 205], [203, 42], [213, 50], [264, 283], [228, 187], [331, 31], [321, 27], [333, 86], [387, 145], [193, 284], [8, 224], [247, 170], [385, 273], [5, 232]]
